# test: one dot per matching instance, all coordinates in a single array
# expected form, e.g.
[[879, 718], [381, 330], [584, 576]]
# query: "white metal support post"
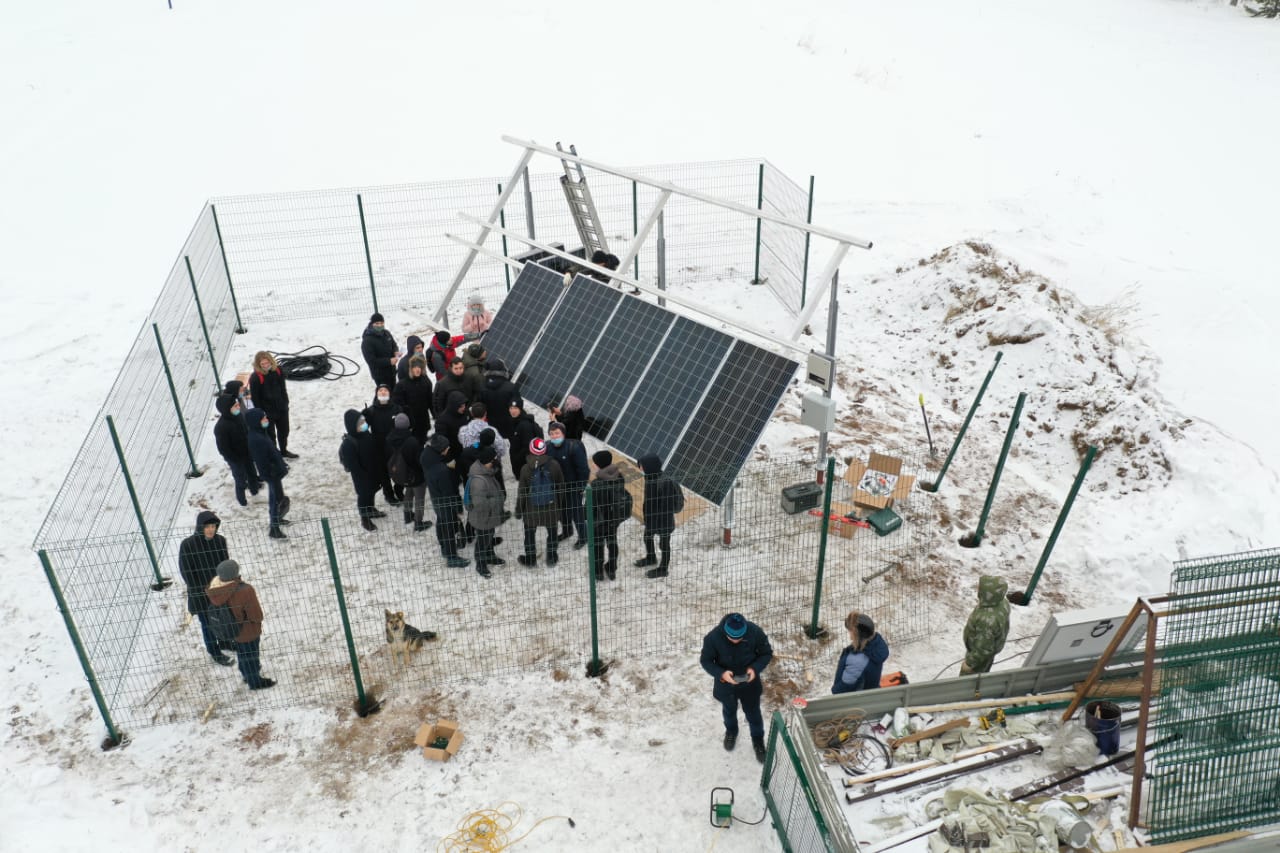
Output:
[[643, 234], [828, 274], [832, 313], [442, 315]]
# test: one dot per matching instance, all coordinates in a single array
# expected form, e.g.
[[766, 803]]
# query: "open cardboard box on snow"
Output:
[[429, 732], [878, 482]]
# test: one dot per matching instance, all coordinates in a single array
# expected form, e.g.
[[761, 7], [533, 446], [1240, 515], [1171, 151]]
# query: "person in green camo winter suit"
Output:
[[988, 626]]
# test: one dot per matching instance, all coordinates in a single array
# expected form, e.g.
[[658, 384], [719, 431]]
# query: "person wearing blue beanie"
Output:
[[734, 653]]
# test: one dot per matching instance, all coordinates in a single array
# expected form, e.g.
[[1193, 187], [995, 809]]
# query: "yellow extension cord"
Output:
[[489, 830]]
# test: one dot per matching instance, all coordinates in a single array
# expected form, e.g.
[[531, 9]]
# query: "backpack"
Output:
[[345, 452], [398, 468], [466, 494], [541, 490], [222, 622]]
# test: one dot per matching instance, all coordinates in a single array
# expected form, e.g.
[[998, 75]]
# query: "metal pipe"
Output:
[[976, 539], [161, 582], [240, 329], [195, 291], [177, 407], [1024, 598], [662, 258], [955, 445], [368, 258], [813, 631], [363, 706], [759, 206], [808, 218], [833, 314]]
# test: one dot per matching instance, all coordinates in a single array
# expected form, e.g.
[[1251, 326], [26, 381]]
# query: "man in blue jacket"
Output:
[[271, 467], [734, 654], [862, 661]]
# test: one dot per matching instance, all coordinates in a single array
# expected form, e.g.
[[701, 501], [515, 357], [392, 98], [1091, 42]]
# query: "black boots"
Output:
[[419, 526], [408, 516], [730, 739], [757, 743], [367, 523], [529, 560], [276, 532], [647, 560]]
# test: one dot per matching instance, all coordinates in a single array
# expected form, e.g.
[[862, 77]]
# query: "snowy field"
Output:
[[1020, 166]]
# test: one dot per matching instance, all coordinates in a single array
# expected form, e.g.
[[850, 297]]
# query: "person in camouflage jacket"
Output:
[[988, 626]]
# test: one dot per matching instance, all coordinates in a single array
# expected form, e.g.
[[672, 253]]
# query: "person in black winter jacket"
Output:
[[380, 415], [232, 440], [267, 386], [237, 391], [414, 346], [497, 394], [572, 458], [442, 485], [359, 456], [735, 653], [526, 429], [271, 466], [452, 419], [610, 506], [662, 500], [413, 395], [380, 351], [402, 443], [451, 381], [198, 559], [571, 415]]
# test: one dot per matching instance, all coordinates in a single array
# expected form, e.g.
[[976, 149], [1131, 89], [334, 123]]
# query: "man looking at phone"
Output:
[[734, 654]]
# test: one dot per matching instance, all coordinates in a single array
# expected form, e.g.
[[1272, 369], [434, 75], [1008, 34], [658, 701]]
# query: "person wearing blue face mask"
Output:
[[233, 445], [271, 466], [572, 458], [360, 457]]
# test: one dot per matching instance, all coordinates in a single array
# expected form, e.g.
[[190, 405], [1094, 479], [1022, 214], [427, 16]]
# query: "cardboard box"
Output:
[[843, 529], [878, 482], [429, 732]]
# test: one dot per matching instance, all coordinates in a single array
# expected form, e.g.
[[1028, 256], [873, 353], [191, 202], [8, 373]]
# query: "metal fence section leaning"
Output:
[[325, 637], [1216, 718], [318, 253], [187, 335], [794, 787]]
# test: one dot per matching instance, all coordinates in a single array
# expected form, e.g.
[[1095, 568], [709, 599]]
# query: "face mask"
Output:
[[235, 410], [558, 441], [382, 399], [266, 424], [364, 427]]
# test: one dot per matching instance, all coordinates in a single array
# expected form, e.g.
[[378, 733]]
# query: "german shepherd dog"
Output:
[[403, 638]]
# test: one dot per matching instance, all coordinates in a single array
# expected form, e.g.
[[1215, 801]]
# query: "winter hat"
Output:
[[418, 361], [598, 257], [555, 425], [375, 317], [572, 404], [442, 338], [517, 403], [486, 454], [497, 364], [475, 350], [538, 447], [228, 570], [602, 458], [487, 437], [401, 421], [864, 624], [735, 626], [439, 443]]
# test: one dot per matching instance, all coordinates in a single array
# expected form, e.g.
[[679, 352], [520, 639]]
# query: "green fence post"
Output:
[[365, 705], [161, 582], [115, 738], [1024, 598], [813, 632], [595, 667], [368, 258], [195, 291], [177, 407], [955, 445], [804, 277], [635, 224], [502, 220], [759, 206], [976, 539], [240, 329]]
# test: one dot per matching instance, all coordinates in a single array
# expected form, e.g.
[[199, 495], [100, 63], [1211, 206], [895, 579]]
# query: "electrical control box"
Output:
[[1082, 634], [818, 412], [821, 370]]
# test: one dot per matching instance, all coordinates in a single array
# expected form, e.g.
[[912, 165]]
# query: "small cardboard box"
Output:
[[878, 482], [429, 732], [841, 528]]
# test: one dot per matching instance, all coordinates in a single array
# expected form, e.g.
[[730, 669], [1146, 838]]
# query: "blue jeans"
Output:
[[750, 701], [275, 490], [249, 662], [246, 478]]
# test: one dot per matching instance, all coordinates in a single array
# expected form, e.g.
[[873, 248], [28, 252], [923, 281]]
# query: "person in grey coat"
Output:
[[484, 509]]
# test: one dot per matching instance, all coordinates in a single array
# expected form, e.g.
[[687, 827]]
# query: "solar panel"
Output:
[[657, 413], [531, 300], [627, 345], [730, 419], [569, 336]]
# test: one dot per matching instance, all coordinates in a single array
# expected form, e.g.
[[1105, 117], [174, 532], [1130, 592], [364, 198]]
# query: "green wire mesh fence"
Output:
[[1217, 717], [797, 794], [151, 664]]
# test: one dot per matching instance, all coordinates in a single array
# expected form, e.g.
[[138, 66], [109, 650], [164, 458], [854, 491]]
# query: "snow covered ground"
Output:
[[1108, 148]]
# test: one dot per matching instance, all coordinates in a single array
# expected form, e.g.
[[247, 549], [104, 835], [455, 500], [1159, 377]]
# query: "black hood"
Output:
[[454, 400], [650, 464], [206, 517], [254, 417], [232, 388], [223, 404], [352, 419]]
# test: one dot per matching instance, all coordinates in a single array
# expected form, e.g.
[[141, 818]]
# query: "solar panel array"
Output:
[[651, 381]]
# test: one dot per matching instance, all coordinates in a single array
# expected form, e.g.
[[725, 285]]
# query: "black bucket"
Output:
[[1103, 719]]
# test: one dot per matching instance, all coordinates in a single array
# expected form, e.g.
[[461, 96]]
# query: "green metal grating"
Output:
[[1219, 698]]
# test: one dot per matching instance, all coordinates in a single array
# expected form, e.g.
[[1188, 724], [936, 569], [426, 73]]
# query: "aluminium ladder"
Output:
[[581, 207]]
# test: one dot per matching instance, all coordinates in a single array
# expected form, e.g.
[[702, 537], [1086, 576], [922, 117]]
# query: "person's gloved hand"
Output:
[[471, 336]]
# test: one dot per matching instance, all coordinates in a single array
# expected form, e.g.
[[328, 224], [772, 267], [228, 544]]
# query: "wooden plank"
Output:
[[962, 723], [992, 703]]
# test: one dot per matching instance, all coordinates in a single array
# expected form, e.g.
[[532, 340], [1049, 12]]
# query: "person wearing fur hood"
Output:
[[269, 393], [477, 319]]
